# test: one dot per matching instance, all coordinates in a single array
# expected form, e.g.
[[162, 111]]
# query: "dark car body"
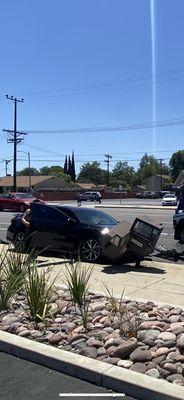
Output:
[[178, 225], [66, 229], [15, 201]]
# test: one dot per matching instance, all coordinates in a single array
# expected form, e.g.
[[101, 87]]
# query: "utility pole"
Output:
[[16, 138], [107, 160], [6, 165]]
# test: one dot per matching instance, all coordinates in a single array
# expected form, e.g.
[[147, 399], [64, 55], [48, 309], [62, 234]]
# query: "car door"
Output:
[[50, 228], [4, 202], [11, 202]]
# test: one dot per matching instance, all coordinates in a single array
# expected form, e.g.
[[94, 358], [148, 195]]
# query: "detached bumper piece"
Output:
[[131, 242]]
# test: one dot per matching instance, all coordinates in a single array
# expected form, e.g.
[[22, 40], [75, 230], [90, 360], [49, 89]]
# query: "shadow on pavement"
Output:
[[124, 268]]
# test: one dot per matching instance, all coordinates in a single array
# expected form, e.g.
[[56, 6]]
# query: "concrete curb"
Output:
[[112, 377]]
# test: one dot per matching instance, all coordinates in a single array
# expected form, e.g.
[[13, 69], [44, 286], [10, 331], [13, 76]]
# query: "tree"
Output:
[[91, 172], [28, 171], [53, 170], [69, 171], [148, 166], [165, 169], [57, 171], [65, 169], [73, 175], [176, 164], [122, 174]]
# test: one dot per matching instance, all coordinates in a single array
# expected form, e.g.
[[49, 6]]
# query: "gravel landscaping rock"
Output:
[[149, 340]]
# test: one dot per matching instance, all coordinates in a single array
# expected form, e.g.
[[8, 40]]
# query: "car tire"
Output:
[[181, 235], [90, 250], [22, 208], [20, 239]]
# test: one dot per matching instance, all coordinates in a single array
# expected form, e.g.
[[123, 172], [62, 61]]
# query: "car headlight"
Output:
[[27, 202], [105, 231]]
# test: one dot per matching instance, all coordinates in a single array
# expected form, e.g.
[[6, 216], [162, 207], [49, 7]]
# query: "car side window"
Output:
[[49, 213]]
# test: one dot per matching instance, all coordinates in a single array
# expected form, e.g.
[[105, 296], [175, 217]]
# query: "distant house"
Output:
[[180, 179], [139, 188], [38, 182], [86, 186], [155, 183]]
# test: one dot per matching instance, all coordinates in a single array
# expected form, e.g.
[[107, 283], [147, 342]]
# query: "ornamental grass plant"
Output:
[[13, 269], [77, 280], [38, 292]]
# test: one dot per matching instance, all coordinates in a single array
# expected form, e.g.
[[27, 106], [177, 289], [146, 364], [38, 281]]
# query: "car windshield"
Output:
[[169, 196], [24, 195], [94, 217]]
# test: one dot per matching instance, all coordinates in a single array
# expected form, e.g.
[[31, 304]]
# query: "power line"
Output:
[[108, 85], [116, 128]]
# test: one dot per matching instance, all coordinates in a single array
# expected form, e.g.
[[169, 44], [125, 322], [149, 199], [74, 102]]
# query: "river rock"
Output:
[[112, 342], [101, 351], [154, 373], [55, 338], [140, 355], [175, 377], [89, 352], [125, 363], [180, 342], [125, 348], [150, 336], [167, 336], [94, 343], [138, 367]]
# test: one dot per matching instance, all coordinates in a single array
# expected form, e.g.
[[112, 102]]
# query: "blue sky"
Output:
[[88, 63]]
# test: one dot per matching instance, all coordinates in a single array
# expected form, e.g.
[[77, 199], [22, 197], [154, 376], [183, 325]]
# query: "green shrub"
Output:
[[38, 292], [77, 281], [13, 268]]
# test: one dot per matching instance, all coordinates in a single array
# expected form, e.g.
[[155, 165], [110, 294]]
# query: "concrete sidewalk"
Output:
[[156, 281]]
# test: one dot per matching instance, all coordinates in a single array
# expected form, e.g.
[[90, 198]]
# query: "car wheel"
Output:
[[22, 208], [90, 250], [181, 235], [20, 239]]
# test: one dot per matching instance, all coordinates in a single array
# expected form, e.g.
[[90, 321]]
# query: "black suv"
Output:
[[67, 229], [178, 225]]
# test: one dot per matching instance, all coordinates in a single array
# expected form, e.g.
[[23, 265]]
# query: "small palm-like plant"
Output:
[[13, 268], [117, 304], [38, 292], [77, 281]]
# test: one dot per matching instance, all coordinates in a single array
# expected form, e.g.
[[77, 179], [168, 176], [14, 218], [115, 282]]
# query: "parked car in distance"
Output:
[[144, 195], [15, 201], [169, 199], [178, 225], [68, 229], [91, 196]]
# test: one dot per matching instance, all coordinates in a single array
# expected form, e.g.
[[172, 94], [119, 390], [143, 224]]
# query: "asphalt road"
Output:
[[157, 215], [20, 380]]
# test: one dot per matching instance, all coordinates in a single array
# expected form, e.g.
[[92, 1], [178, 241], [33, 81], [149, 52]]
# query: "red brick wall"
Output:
[[54, 196]]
